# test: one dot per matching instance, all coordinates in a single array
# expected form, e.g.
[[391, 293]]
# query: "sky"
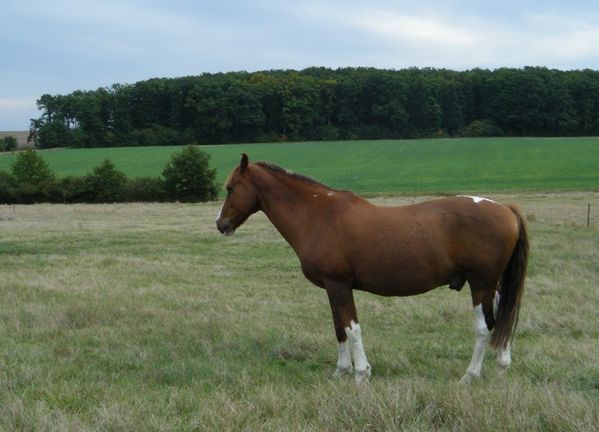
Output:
[[59, 46]]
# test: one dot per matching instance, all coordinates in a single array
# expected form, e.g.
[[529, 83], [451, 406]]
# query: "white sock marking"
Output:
[[354, 336], [344, 359], [504, 357], [482, 335]]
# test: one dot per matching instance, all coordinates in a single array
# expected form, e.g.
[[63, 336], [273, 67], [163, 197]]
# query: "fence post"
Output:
[[589, 216]]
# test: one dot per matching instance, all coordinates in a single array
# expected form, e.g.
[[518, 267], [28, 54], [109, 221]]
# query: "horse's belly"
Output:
[[402, 274], [393, 281]]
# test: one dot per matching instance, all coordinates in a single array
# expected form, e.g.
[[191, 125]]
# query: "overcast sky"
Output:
[[58, 46]]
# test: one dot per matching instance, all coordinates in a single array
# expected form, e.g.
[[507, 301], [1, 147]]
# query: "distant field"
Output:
[[21, 137], [399, 166]]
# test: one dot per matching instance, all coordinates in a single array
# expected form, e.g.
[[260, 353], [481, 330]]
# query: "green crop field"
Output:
[[420, 166], [142, 317]]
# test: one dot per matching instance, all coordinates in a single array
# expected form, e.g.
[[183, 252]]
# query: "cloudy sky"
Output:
[[60, 46]]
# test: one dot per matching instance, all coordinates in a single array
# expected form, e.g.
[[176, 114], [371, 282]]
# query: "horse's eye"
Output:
[[229, 189]]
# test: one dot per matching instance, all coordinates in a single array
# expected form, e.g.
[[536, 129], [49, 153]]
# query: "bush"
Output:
[[7, 188], [188, 177], [32, 179], [441, 133], [105, 184], [482, 128], [145, 189], [31, 168], [72, 190], [8, 143]]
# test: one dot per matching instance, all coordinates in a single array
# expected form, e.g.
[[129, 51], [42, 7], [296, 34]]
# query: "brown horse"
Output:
[[344, 243]]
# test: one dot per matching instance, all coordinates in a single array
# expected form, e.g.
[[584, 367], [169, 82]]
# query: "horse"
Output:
[[346, 243]]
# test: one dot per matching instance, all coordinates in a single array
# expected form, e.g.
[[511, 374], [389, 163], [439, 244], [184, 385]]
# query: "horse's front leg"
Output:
[[348, 332]]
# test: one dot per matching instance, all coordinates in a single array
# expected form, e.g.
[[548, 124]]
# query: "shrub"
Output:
[[31, 168], [441, 133], [72, 190], [145, 189], [482, 128], [32, 178], [105, 184], [188, 177], [7, 188], [8, 143]]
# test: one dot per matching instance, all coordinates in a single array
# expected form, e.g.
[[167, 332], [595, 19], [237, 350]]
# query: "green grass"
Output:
[[142, 317], [421, 166]]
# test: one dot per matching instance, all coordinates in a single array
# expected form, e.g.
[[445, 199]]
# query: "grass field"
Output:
[[422, 166], [142, 317]]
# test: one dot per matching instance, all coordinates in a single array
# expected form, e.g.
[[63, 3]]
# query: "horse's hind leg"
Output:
[[504, 355], [484, 321], [348, 332]]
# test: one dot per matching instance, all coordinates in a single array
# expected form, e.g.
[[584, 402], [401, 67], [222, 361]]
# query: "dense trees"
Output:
[[321, 103]]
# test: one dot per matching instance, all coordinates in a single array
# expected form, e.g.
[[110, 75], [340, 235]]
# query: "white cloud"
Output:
[[400, 37], [413, 29]]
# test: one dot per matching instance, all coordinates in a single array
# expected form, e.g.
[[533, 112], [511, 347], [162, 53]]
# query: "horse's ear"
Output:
[[243, 165]]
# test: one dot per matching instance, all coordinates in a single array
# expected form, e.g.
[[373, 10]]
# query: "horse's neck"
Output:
[[289, 205]]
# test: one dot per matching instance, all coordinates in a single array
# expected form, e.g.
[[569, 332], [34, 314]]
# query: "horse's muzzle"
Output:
[[225, 227]]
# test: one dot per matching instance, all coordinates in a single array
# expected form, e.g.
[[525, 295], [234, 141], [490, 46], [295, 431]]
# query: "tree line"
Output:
[[187, 177], [323, 104]]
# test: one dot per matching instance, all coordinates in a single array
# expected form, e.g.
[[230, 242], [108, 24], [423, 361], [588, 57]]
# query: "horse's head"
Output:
[[241, 202]]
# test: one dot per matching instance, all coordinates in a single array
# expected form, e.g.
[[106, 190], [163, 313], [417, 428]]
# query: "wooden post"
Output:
[[589, 216]]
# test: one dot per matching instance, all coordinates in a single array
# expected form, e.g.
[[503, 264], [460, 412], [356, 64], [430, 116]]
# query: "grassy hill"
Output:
[[393, 166]]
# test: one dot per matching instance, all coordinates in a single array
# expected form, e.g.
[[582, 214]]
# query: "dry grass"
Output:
[[142, 317]]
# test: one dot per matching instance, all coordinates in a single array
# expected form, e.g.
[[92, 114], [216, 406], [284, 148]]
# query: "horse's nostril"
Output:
[[224, 226]]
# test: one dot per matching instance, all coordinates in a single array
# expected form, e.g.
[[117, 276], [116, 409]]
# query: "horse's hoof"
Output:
[[362, 376], [502, 368], [340, 373], [468, 378], [503, 362]]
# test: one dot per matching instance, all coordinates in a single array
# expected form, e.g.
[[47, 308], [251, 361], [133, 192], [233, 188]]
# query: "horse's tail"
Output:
[[511, 287]]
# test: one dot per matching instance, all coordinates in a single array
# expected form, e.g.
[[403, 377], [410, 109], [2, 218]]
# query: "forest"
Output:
[[323, 104]]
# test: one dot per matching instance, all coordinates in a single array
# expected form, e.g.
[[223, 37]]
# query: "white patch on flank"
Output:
[[354, 336], [315, 196], [476, 199], [330, 193], [482, 335]]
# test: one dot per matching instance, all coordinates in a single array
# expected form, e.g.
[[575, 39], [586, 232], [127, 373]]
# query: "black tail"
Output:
[[511, 289]]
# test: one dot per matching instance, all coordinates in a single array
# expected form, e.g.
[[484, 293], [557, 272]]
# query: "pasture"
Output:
[[374, 167], [143, 317]]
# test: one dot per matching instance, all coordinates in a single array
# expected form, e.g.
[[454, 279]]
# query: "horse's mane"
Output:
[[280, 170]]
